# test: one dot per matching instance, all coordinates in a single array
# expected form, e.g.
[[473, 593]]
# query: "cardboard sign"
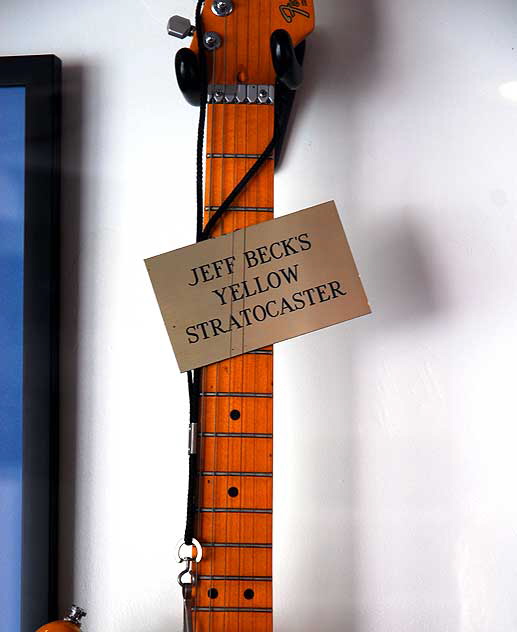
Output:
[[257, 286]]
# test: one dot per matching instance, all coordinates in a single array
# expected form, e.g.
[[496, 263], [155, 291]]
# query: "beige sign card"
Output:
[[254, 287]]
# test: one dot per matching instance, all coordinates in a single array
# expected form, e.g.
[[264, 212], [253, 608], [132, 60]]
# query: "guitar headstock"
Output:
[[237, 36]]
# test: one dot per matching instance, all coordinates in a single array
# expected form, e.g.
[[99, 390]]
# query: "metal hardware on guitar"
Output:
[[71, 623]]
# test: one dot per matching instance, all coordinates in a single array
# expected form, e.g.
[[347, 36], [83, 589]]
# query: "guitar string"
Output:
[[219, 125], [266, 359], [233, 361], [270, 360], [271, 415], [223, 231], [242, 358], [247, 194], [210, 200], [255, 133], [242, 412], [259, 359], [258, 203]]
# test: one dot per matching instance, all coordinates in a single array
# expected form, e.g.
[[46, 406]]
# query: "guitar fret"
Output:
[[233, 578], [231, 510], [238, 435], [250, 156], [238, 474], [217, 394], [214, 609], [236, 545], [256, 209]]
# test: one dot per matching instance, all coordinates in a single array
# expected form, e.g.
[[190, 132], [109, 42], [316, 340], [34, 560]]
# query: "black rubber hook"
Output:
[[287, 61], [188, 75]]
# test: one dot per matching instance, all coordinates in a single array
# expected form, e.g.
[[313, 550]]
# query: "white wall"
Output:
[[395, 507]]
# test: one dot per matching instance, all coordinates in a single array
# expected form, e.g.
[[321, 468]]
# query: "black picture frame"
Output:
[[40, 75]]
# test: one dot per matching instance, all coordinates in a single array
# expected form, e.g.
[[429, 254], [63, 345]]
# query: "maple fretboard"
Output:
[[233, 589]]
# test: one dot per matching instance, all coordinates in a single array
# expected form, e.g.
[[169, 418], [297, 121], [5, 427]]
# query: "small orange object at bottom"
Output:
[[59, 626]]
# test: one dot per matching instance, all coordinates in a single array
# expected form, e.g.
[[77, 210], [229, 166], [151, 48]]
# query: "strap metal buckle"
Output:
[[186, 578]]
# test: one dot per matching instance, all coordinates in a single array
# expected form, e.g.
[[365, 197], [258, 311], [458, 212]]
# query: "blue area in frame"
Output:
[[12, 180]]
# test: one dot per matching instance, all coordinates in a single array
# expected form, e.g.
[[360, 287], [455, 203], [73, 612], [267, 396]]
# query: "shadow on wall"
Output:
[[72, 174], [399, 274], [343, 62], [341, 56], [340, 63]]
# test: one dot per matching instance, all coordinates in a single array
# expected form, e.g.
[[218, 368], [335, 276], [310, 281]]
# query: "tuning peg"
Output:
[[286, 59], [180, 27], [71, 623]]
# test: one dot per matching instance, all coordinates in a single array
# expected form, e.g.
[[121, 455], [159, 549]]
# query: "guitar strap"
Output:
[[194, 377]]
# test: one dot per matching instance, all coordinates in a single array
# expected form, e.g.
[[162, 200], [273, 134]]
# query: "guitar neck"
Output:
[[233, 589]]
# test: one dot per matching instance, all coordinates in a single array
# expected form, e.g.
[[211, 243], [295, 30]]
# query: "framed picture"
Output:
[[30, 96]]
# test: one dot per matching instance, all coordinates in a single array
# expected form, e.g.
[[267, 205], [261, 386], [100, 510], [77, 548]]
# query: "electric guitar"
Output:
[[246, 62]]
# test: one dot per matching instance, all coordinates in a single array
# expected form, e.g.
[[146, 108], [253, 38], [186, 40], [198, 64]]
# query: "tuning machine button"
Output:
[[180, 27]]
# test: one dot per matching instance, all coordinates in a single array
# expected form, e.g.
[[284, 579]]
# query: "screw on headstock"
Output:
[[222, 8], [212, 40]]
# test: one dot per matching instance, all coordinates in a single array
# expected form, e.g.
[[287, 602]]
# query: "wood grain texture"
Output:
[[232, 622], [235, 444], [231, 592]]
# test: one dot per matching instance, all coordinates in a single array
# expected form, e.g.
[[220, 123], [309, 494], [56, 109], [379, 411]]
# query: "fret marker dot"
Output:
[[249, 594], [213, 593], [233, 492], [235, 414]]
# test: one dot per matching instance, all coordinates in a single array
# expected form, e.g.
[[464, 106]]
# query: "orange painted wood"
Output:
[[214, 491], [239, 129], [256, 414], [244, 374], [218, 561], [236, 455], [245, 53], [235, 528], [232, 592], [232, 622]]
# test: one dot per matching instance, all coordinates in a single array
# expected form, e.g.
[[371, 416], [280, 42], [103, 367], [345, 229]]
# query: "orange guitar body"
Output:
[[59, 626], [71, 623]]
